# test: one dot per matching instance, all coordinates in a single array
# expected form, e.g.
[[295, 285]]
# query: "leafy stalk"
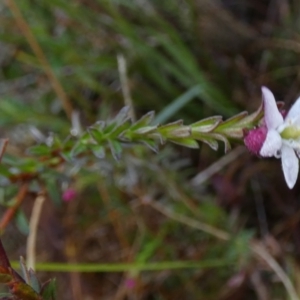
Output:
[[121, 131]]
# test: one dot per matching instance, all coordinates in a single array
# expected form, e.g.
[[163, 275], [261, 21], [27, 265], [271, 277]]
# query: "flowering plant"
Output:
[[278, 136]]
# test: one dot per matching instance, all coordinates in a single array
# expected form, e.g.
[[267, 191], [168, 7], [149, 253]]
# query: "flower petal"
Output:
[[293, 115], [290, 165], [272, 144], [273, 117]]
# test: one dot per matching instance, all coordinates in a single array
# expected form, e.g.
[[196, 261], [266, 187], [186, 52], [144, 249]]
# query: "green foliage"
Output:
[[186, 60]]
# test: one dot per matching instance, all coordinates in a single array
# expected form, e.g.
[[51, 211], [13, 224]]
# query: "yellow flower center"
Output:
[[291, 132]]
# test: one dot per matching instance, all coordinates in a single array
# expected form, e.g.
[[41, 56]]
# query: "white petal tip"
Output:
[[265, 89], [290, 165]]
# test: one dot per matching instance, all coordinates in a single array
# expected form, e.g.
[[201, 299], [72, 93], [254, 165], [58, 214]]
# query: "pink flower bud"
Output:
[[69, 194], [255, 138], [130, 283]]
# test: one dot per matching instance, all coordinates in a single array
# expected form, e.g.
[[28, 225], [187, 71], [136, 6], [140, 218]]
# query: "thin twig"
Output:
[[261, 252], [217, 166], [9, 214], [3, 146], [36, 48], [260, 288], [223, 235], [122, 67], [33, 225]]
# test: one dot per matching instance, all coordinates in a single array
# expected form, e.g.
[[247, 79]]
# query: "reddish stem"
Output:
[[10, 212]]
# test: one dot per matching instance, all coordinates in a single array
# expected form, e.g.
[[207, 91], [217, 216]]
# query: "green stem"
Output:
[[122, 267]]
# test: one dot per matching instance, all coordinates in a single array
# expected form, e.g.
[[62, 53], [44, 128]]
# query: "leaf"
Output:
[[48, 291], [30, 165], [152, 145], [120, 128], [67, 155], [116, 149], [170, 126], [122, 119], [24, 270], [22, 222], [234, 126], [96, 134], [222, 138], [232, 121], [145, 120], [53, 190], [253, 118], [210, 139], [85, 138], [78, 148], [98, 150], [4, 171], [34, 282], [39, 150], [187, 142], [145, 130], [212, 143], [122, 116], [206, 125], [174, 130]]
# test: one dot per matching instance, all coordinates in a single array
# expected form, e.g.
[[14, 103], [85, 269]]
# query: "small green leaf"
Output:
[[232, 121], [49, 290], [34, 282], [4, 171], [187, 142], [144, 121], [211, 142], [206, 125], [22, 222], [151, 145], [139, 134], [174, 130], [24, 270], [78, 148], [170, 126], [252, 119], [119, 129], [39, 150], [57, 143], [29, 165], [98, 150], [145, 130], [85, 138], [120, 119], [97, 134], [122, 116], [116, 149], [54, 191], [222, 138], [67, 156]]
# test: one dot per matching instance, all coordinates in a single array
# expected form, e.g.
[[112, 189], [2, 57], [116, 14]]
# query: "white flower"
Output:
[[283, 136]]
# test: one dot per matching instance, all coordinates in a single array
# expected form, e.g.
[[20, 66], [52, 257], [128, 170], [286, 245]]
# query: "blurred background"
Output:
[[184, 59]]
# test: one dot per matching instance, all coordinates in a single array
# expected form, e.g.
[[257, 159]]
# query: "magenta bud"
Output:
[[69, 194], [130, 283], [255, 138]]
